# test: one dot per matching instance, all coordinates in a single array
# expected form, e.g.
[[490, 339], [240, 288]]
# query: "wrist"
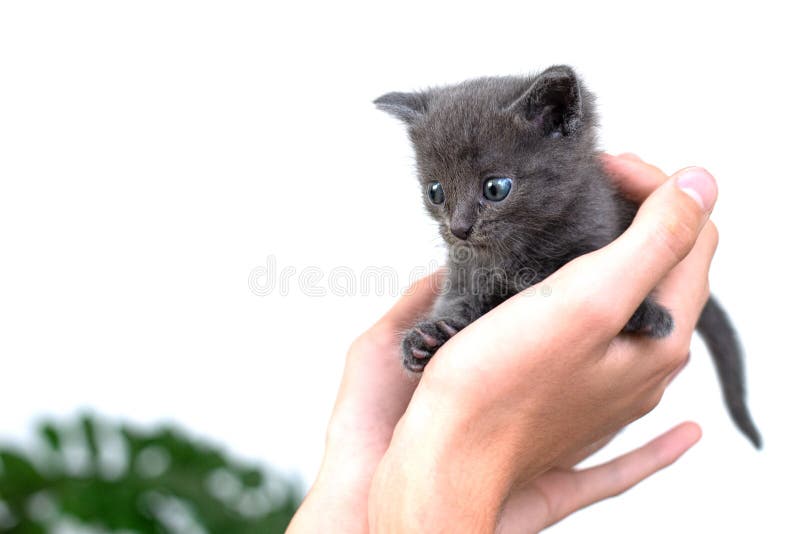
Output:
[[329, 507], [445, 470], [337, 500]]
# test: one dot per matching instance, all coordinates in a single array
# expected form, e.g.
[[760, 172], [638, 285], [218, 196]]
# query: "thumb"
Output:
[[663, 232]]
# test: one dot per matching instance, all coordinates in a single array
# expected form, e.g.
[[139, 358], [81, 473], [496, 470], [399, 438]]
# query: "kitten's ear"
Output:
[[407, 107], [553, 104]]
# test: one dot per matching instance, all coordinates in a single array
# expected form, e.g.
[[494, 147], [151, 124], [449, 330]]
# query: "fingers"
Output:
[[612, 478], [375, 391], [559, 493], [684, 291], [374, 353], [620, 275], [634, 177]]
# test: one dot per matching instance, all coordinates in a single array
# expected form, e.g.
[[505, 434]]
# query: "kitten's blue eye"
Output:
[[435, 192], [496, 189]]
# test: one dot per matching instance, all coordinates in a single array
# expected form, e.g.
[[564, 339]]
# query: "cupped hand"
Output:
[[475, 424], [373, 395], [545, 374]]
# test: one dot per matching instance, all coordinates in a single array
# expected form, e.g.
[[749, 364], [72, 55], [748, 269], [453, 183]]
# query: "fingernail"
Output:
[[700, 185]]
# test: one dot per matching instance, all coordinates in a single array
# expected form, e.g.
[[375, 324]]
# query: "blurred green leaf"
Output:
[[50, 435], [166, 482]]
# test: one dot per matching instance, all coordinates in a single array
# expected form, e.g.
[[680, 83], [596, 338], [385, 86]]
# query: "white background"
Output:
[[152, 154]]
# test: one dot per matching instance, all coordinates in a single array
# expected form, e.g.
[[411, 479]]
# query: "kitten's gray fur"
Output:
[[540, 132]]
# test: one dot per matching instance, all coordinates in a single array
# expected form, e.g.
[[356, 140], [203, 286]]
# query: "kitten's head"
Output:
[[499, 158]]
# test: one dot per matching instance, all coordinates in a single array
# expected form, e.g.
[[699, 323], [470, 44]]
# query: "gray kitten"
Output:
[[509, 170]]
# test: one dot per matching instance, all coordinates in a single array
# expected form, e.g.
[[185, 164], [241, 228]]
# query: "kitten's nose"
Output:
[[461, 229]]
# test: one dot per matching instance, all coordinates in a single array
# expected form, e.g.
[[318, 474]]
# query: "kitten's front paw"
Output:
[[422, 342], [650, 319]]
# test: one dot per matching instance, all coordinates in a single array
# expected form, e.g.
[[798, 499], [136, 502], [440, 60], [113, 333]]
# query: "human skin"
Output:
[[534, 384]]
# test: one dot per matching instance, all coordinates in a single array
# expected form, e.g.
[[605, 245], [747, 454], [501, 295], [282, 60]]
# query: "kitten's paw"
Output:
[[650, 319], [422, 342]]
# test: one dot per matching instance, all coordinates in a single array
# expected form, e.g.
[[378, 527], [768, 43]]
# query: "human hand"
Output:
[[374, 393], [480, 434]]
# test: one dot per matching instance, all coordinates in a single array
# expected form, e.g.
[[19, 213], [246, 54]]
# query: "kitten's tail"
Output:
[[717, 331]]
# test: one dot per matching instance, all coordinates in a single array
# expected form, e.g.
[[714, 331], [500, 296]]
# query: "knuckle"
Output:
[[713, 235], [649, 403], [679, 362], [676, 233], [653, 401], [364, 343], [358, 344], [675, 352]]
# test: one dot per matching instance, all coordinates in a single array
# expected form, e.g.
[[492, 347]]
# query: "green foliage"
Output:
[[92, 476]]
